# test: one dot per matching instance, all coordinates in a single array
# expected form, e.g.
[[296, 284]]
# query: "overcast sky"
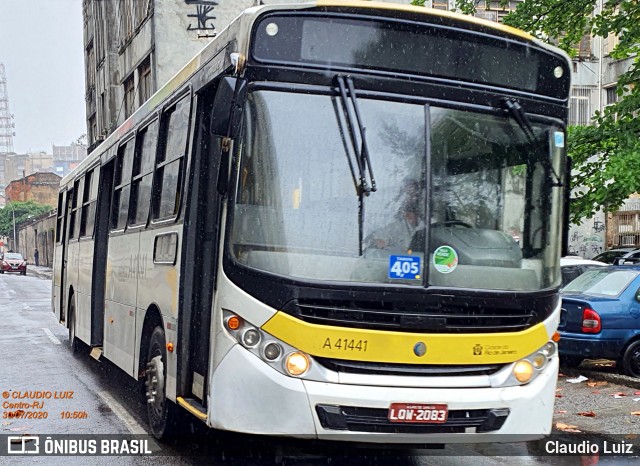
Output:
[[41, 48]]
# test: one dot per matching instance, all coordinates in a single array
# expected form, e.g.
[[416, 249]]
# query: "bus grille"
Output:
[[458, 318], [429, 370], [359, 419]]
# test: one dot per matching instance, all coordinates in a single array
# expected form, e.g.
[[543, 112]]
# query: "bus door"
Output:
[[66, 222], [100, 245], [200, 256]]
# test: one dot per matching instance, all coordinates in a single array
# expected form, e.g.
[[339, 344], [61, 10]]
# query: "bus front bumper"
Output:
[[249, 396]]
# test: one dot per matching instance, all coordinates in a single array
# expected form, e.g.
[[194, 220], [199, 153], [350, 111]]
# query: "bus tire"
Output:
[[161, 412], [73, 341]]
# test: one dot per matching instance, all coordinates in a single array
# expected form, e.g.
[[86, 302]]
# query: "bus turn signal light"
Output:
[[233, 323], [556, 337], [170, 347]]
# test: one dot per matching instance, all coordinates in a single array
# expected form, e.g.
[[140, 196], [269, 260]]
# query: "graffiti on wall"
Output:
[[587, 243], [203, 15]]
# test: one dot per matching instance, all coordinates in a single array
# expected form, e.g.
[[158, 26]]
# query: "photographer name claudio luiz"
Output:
[[586, 447]]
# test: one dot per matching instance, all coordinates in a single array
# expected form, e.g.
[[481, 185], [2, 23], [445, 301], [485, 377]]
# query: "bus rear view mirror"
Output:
[[228, 105]]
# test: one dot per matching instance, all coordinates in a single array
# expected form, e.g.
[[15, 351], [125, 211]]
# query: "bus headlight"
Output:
[[272, 351], [250, 337], [523, 371], [297, 363], [276, 353]]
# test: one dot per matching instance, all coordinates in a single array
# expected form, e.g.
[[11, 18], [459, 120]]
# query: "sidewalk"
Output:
[[39, 271]]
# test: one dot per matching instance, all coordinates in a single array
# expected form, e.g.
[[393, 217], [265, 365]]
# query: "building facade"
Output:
[[132, 47], [38, 187]]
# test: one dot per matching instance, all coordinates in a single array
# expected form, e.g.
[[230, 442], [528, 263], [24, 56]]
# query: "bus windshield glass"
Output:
[[476, 216]]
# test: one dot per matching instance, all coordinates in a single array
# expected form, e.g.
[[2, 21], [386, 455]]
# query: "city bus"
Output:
[[341, 220]]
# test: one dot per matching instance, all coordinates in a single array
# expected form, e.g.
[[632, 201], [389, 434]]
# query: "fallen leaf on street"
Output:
[[580, 378], [598, 384], [587, 414], [635, 413], [558, 389], [596, 392], [561, 375], [566, 427], [558, 395], [562, 411], [631, 436], [636, 393], [618, 395]]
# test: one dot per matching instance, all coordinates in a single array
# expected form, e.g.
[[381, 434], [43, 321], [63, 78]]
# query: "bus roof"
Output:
[[243, 24]]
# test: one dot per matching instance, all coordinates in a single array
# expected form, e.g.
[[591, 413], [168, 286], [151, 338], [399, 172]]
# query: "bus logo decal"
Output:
[[420, 349]]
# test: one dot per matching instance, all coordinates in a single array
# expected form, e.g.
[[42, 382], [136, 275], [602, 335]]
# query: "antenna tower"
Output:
[[6, 118]]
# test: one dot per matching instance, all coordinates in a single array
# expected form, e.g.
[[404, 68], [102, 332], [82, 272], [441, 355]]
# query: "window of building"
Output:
[[144, 79], [170, 165], [580, 105], [122, 182], [129, 96], [143, 174], [93, 130], [611, 95], [89, 197]]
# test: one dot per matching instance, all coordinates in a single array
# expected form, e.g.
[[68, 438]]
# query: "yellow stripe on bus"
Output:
[[402, 347], [424, 10]]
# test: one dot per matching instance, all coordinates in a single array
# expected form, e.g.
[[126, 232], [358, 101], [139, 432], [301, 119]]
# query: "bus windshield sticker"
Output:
[[404, 267], [445, 259], [559, 138]]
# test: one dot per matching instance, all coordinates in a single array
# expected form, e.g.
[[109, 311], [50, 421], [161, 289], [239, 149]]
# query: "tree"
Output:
[[606, 156], [24, 211]]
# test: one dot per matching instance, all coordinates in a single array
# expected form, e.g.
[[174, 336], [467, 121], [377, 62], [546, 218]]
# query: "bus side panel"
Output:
[[158, 284], [71, 273], [83, 300], [57, 278], [120, 300]]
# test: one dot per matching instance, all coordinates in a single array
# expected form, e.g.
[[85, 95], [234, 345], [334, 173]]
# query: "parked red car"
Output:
[[13, 262]]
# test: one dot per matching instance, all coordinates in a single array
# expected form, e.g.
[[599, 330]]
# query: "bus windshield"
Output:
[[477, 215]]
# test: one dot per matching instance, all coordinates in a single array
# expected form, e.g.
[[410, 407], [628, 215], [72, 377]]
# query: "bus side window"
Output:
[[143, 174], [74, 224], [60, 214], [89, 203], [122, 182], [170, 163]]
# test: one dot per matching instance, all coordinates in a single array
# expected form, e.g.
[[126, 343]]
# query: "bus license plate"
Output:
[[418, 414]]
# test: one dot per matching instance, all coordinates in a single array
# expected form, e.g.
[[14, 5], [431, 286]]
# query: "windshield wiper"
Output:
[[515, 110], [362, 153]]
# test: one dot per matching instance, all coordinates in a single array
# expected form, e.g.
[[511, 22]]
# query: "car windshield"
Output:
[[493, 221], [601, 282], [12, 256]]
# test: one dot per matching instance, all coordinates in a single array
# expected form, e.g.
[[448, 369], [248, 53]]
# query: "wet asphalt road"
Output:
[[35, 357]]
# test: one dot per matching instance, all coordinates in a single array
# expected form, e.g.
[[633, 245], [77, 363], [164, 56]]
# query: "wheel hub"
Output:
[[155, 384]]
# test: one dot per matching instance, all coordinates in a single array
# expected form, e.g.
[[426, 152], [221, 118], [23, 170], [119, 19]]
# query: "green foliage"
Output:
[[606, 156], [24, 210]]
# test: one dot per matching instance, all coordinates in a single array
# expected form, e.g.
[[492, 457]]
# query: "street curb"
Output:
[[618, 379], [40, 274]]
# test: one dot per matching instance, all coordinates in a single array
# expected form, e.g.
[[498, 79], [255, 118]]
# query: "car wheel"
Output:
[[23, 273], [631, 360], [160, 411], [570, 361]]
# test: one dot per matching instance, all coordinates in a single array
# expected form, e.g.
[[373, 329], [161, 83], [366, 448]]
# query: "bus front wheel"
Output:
[[160, 411]]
